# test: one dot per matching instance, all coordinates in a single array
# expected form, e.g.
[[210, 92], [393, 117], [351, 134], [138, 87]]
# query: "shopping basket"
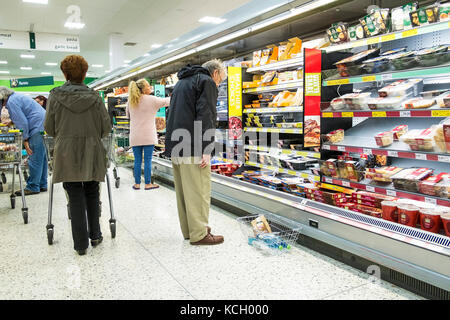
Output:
[[283, 236], [11, 159], [50, 146]]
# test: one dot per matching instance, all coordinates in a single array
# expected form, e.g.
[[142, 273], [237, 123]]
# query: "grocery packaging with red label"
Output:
[[402, 88], [446, 222], [384, 139], [399, 131], [430, 185], [408, 215], [409, 179], [390, 211], [383, 174], [430, 220]]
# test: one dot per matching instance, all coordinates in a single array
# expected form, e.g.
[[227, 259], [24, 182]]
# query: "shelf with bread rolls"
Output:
[[275, 88], [279, 65]]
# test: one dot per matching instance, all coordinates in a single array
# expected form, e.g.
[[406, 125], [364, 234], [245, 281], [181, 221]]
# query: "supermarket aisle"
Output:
[[150, 260]]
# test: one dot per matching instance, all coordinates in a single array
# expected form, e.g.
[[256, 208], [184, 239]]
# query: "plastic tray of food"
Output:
[[385, 103], [404, 60]]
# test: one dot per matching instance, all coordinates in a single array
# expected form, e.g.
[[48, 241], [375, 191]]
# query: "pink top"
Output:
[[142, 120]]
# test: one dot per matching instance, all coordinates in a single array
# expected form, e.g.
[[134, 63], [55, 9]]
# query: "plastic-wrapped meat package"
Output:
[[442, 135], [402, 88], [409, 179]]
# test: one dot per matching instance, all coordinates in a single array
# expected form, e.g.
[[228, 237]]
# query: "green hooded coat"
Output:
[[78, 120]]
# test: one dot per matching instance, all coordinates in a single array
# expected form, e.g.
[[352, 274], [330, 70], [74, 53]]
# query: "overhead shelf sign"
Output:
[[19, 40], [32, 82]]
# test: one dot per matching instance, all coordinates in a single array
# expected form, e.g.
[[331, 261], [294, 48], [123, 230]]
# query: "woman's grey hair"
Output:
[[214, 65], [5, 93]]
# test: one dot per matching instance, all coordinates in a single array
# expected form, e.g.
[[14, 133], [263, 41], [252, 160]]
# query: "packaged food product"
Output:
[[397, 19], [443, 187], [446, 222], [385, 103], [407, 9], [384, 139], [357, 101], [399, 132], [420, 140], [432, 13], [430, 187], [265, 55], [350, 66], [403, 60], [376, 65], [374, 23], [390, 211], [335, 136], [444, 11], [257, 58], [260, 225], [430, 57], [339, 104], [430, 220], [418, 103], [342, 169], [352, 33], [393, 51], [409, 179], [443, 100], [419, 18], [442, 135], [403, 88], [354, 171], [332, 168], [408, 215], [383, 174], [432, 94]]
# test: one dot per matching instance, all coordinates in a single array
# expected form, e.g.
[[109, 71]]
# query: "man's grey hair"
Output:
[[214, 65], [5, 93]]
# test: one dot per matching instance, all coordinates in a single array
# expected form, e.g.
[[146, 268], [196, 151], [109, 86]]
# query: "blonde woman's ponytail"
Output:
[[135, 93]]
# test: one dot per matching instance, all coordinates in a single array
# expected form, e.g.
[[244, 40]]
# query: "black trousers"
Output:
[[84, 203]]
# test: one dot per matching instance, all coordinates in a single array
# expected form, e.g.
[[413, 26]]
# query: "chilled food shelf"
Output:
[[280, 65], [305, 175], [361, 139], [275, 130], [275, 88], [433, 113], [389, 190], [307, 154], [274, 110], [434, 72], [441, 26]]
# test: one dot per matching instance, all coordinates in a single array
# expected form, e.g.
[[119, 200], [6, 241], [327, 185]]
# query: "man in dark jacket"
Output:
[[189, 142]]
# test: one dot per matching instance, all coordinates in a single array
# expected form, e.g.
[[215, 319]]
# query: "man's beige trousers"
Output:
[[193, 189]]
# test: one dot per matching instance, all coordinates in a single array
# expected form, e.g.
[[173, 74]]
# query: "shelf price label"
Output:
[[393, 154], [369, 79], [328, 180], [405, 114], [327, 115], [441, 113], [340, 148], [379, 114], [367, 151], [431, 201], [444, 159], [409, 33], [388, 37], [347, 114], [421, 156], [346, 184], [337, 82], [391, 193], [370, 188], [386, 77], [326, 147]]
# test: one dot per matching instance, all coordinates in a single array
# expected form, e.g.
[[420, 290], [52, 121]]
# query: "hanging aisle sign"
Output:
[[20, 40], [32, 82]]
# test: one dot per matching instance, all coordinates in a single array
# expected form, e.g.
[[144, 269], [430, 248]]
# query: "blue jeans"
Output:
[[37, 164], [148, 154]]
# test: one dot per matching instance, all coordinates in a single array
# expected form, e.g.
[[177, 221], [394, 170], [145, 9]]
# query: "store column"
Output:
[[116, 54]]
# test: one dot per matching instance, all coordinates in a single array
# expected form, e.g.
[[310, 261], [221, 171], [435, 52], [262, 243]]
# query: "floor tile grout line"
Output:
[[157, 260]]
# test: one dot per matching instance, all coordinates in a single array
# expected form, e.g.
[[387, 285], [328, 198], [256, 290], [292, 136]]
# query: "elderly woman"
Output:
[[28, 116], [78, 119]]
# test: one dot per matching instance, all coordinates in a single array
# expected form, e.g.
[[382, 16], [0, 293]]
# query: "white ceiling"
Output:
[[142, 21]]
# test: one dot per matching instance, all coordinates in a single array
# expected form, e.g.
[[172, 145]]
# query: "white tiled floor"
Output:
[[150, 260]]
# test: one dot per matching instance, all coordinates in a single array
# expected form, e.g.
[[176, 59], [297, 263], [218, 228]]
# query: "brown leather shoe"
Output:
[[207, 229], [209, 240]]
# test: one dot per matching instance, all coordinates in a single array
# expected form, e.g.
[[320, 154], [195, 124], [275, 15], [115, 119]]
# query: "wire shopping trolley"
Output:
[[50, 146], [11, 159]]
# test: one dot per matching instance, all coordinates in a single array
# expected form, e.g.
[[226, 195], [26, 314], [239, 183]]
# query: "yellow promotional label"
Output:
[[358, 43], [313, 84], [337, 82], [373, 40], [290, 131], [347, 114], [441, 113], [235, 92], [379, 114], [388, 37], [369, 79], [409, 33], [291, 172], [285, 151], [327, 115]]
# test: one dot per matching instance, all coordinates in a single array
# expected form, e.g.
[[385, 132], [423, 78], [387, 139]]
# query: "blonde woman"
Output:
[[141, 110]]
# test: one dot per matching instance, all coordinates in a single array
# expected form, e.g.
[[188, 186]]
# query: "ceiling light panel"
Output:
[[4, 72], [36, 1], [27, 56], [212, 20], [26, 68], [51, 64], [97, 66], [3, 62], [74, 25]]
